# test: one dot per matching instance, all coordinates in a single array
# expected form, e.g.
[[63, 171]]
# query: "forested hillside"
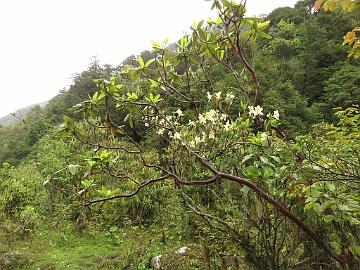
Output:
[[237, 147], [19, 115]]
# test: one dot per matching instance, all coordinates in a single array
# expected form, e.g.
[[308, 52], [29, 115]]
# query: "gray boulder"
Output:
[[155, 262]]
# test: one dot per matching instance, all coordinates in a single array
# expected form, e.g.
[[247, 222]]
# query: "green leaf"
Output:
[[263, 25], [141, 61], [67, 119], [251, 172], [275, 158], [264, 160], [309, 206], [264, 35], [88, 183], [246, 158], [73, 169], [268, 173], [149, 62], [329, 218], [355, 250]]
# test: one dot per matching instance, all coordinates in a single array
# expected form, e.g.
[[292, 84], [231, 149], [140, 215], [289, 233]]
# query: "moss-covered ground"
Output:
[[59, 248]]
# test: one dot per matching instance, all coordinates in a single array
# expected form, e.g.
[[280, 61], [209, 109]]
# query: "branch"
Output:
[[144, 184], [283, 209]]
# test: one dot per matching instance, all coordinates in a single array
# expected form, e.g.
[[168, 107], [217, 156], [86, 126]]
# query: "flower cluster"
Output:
[[209, 126], [165, 123], [255, 111], [213, 127], [229, 96]]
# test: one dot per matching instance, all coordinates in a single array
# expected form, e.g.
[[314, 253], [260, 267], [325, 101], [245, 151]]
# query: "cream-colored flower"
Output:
[[276, 115], [211, 135], [177, 136], [211, 115], [209, 96], [227, 126], [179, 112], [255, 111], [251, 110], [191, 123], [160, 131], [202, 119], [197, 140], [229, 96], [218, 95], [258, 110]]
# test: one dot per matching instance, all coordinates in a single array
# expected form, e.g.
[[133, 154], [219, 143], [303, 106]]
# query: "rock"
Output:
[[182, 251], [155, 262]]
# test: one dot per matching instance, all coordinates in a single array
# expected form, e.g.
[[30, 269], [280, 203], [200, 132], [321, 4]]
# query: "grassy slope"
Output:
[[63, 248]]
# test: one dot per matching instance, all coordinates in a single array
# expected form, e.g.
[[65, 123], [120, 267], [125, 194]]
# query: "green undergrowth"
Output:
[[64, 248]]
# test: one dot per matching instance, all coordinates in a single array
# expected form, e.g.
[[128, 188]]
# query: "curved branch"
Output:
[[144, 184], [285, 211]]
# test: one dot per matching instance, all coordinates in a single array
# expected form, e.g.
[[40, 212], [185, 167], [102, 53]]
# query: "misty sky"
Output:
[[43, 43]]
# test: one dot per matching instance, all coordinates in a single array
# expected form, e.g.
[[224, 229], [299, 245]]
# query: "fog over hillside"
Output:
[[19, 115]]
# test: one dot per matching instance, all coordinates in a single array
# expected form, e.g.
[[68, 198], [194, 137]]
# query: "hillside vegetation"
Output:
[[19, 115], [237, 147]]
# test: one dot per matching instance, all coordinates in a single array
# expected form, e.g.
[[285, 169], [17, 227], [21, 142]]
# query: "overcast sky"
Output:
[[44, 42]]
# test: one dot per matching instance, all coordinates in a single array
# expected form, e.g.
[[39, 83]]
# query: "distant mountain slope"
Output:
[[19, 115]]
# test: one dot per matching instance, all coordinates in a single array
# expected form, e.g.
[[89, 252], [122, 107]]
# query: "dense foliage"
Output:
[[227, 140]]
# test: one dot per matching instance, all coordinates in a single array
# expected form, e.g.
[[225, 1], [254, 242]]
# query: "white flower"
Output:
[[146, 124], [211, 135], [192, 143], [223, 116], [227, 126], [276, 115], [177, 136], [191, 123], [202, 119], [258, 110], [162, 121], [251, 110], [179, 112], [229, 96], [209, 96], [218, 95], [255, 111], [197, 140], [160, 131], [203, 138], [211, 115]]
